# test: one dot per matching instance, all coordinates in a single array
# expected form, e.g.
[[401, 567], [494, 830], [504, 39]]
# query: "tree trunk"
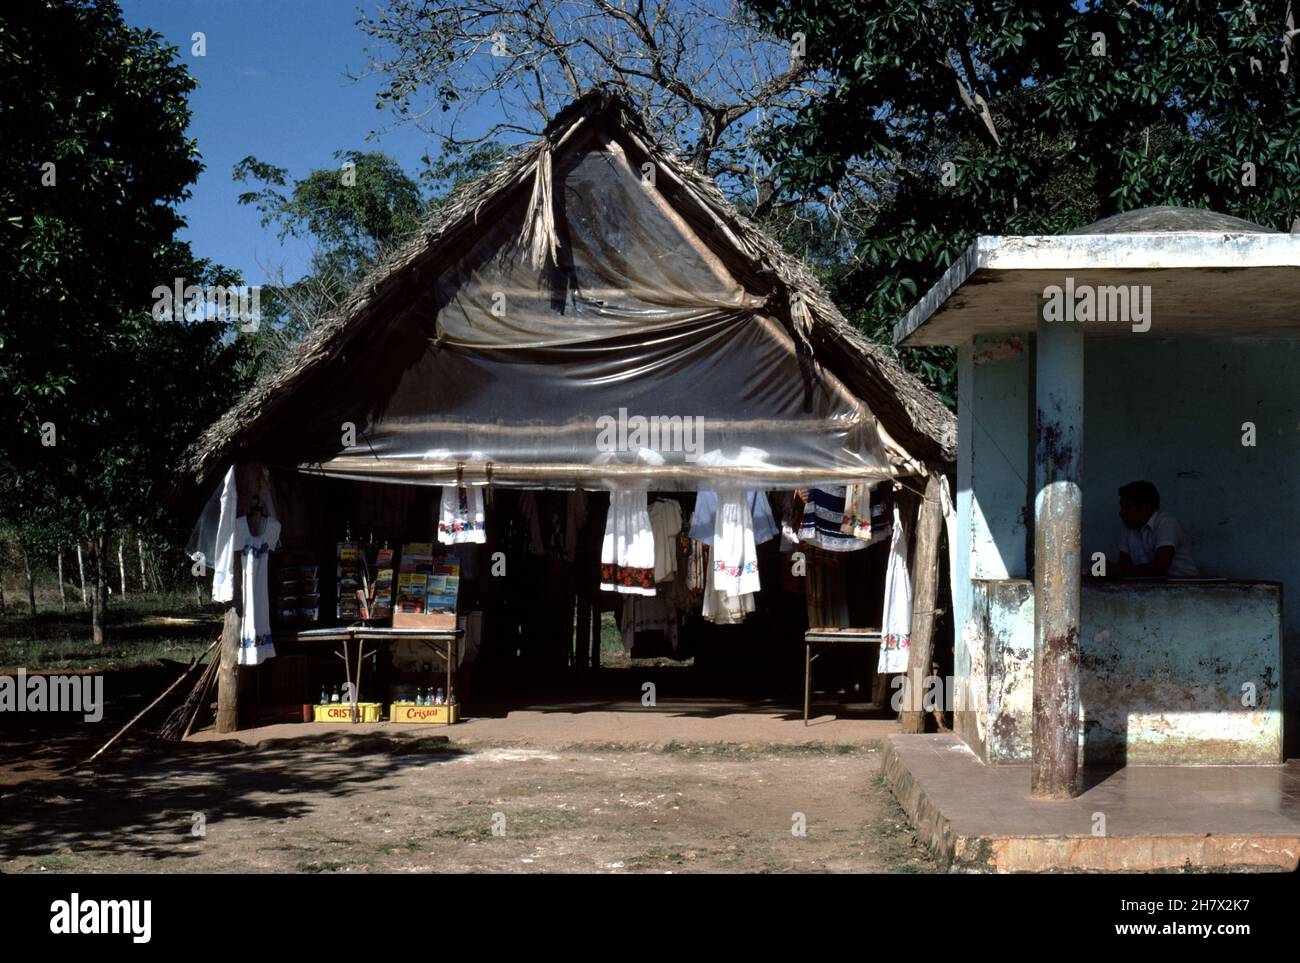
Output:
[[81, 570], [228, 673], [139, 547], [31, 584], [924, 590], [99, 591], [63, 598], [121, 567]]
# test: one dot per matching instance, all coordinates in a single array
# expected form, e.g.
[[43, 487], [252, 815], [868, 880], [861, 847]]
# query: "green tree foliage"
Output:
[[99, 392], [1044, 117], [353, 214]]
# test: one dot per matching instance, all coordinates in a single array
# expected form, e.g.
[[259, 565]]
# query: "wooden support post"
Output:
[[228, 674], [1058, 532], [925, 589]]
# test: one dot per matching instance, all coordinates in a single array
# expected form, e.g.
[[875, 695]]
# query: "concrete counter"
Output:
[[1172, 672]]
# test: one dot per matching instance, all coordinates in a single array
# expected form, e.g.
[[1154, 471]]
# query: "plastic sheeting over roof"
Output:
[[627, 354]]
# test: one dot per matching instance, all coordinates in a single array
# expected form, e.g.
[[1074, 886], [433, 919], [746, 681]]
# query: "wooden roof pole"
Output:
[[925, 562], [228, 675]]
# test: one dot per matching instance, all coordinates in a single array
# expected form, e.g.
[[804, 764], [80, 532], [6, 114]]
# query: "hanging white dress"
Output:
[[950, 527], [665, 523], [223, 563], [735, 560], [896, 619], [627, 553], [722, 609], [460, 517], [255, 645]]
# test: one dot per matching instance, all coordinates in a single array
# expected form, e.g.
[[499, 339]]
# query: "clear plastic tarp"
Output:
[[633, 357]]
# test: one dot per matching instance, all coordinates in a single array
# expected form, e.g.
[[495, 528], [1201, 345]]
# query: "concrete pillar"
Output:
[[1058, 532]]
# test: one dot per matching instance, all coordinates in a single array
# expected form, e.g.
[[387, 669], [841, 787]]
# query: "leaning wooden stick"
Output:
[[139, 715], [206, 681]]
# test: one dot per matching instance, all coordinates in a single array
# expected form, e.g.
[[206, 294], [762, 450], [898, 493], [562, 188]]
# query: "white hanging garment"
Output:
[[642, 614], [735, 560], [460, 518], [950, 529], [627, 553], [223, 562], [722, 609], [896, 619], [665, 523], [255, 645]]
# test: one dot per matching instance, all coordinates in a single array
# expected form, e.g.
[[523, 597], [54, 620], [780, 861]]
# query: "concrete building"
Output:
[[1158, 344]]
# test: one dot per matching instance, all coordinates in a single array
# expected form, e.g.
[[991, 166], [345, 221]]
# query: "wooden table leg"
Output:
[[347, 677], [807, 678]]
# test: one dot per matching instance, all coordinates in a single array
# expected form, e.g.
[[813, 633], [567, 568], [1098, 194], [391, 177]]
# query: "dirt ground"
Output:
[[414, 802]]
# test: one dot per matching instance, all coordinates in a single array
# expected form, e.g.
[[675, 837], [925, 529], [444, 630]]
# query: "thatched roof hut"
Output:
[[400, 342]]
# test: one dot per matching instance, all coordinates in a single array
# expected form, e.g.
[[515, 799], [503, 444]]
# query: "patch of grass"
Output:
[[890, 836], [407, 845], [140, 630], [53, 863], [614, 656], [326, 866], [476, 822], [655, 858]]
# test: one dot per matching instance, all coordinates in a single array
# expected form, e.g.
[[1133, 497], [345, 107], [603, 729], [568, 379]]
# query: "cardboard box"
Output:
[[410, 712], [424, 620], [342, 712]]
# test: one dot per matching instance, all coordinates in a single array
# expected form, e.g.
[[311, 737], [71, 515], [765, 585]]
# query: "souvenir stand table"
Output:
[[441, 641]]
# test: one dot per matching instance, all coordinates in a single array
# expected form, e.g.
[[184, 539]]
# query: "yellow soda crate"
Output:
[[342, 712], [410, 712]]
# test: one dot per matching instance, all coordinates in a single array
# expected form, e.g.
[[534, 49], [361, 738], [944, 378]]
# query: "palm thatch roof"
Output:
[[911, 413]]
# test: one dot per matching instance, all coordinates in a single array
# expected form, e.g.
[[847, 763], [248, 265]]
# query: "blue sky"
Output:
[[272, 84]]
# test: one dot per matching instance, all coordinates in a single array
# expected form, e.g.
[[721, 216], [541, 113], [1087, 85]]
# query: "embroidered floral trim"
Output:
[[734, 571], [611, 574]]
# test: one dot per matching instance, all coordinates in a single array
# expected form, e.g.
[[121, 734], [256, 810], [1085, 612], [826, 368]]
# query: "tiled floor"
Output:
[[979, 801]]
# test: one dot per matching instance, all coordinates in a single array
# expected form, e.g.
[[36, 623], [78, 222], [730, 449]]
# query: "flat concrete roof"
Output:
[[1219, 283]]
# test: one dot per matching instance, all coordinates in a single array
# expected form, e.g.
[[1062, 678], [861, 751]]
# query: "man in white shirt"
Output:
[[1152, 543]]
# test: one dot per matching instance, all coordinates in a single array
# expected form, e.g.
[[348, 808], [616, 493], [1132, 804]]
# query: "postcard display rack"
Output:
[[297, 594], [416, 602]]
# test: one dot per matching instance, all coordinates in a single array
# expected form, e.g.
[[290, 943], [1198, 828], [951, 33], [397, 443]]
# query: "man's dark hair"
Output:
[[1141, 493]]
